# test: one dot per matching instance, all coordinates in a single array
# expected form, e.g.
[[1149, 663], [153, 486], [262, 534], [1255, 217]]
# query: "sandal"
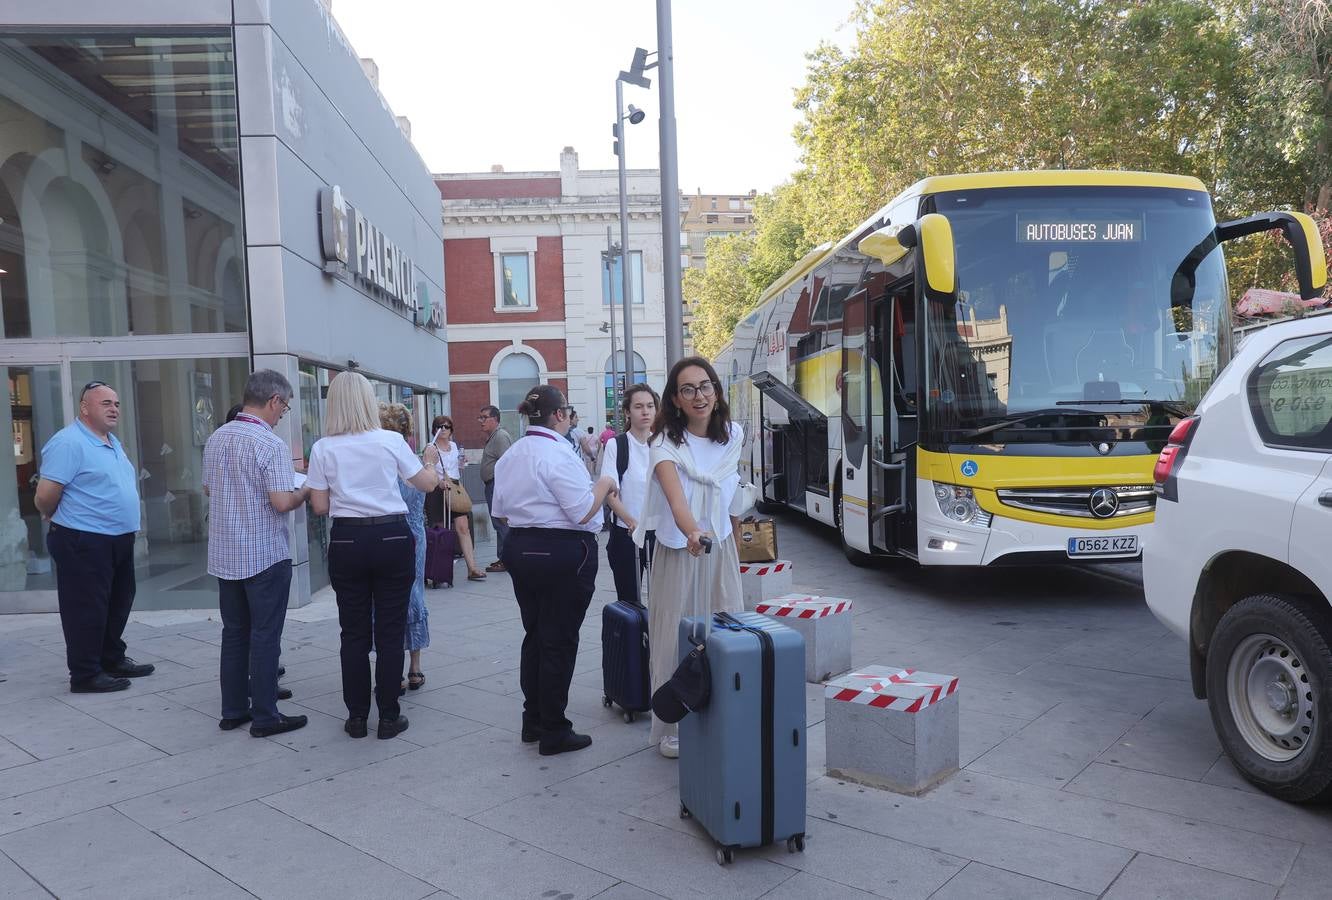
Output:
[[476, 576], [415, 680]]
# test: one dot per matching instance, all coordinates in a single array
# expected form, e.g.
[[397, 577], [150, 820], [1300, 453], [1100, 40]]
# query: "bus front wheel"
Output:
[[853, 556]]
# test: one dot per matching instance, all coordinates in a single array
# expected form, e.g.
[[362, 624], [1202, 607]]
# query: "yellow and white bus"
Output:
[[985, 371]]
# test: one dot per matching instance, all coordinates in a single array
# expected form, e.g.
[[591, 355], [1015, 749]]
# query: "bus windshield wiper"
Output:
[[1019, 418], [1165, 406]]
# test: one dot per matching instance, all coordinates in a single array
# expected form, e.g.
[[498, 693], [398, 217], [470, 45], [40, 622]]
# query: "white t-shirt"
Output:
[[633, 489], [706, 456], [450, 460], [361, 472]]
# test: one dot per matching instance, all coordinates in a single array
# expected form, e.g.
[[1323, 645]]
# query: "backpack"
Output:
[[621, 466]]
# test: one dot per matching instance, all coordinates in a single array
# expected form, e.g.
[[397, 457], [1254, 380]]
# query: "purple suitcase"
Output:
[[441, 544]]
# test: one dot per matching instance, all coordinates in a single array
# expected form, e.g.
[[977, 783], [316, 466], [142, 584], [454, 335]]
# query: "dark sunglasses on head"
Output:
[[90, 386]]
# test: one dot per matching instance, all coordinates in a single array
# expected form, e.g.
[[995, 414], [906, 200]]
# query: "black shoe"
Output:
[[564, 743], [101, 683], [355, 727], [233, 724], [281, 726], [532, 733], [128, 668], [282, 670], [284, 693], [391, 728]]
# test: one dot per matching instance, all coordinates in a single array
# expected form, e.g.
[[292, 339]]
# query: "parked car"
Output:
[[1239, 562]]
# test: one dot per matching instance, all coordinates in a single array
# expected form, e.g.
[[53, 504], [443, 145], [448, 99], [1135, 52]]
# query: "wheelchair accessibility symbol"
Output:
[[970, 468]]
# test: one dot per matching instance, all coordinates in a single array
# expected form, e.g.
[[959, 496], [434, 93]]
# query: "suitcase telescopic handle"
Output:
[[698, 589]]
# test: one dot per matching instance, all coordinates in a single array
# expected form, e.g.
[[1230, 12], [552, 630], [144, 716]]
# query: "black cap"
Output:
[[688, 690]]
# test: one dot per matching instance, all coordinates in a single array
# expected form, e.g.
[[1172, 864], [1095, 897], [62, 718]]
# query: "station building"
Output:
[[189, 191]]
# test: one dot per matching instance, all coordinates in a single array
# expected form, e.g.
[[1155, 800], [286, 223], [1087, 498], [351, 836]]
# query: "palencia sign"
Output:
[[351, 242]]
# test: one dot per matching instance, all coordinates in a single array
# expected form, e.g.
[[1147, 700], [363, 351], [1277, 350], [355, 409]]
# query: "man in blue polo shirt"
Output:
[[89, 490]]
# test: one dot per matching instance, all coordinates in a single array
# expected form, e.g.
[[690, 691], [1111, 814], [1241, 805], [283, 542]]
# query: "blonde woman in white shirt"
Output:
[[695, 455], [552, 506], [449, 467], [353, 474]]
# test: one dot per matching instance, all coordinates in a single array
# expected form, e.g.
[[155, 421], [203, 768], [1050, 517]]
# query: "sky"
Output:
[[512, 82]]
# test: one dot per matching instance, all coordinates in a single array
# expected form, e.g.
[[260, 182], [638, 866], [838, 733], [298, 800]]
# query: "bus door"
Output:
[[894, 362], [855, 384], [790, 441]]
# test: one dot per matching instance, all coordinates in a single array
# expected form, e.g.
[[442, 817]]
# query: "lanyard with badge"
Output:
[[253, 420]]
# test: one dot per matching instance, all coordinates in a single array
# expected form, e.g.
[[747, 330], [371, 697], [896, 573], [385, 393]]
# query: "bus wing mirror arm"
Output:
[[1302, 233]]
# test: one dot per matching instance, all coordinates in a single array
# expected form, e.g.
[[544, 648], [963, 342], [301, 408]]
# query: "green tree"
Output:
[[720, 294]]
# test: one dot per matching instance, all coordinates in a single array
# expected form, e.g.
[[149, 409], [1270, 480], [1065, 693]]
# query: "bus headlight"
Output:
[[959, 504]]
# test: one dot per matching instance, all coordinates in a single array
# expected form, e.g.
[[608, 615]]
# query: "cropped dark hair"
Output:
[[638, 388], [541, 403], [671, 420], [492, 411]]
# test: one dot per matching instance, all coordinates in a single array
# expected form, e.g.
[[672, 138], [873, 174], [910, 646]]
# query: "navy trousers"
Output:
[[95, 588]]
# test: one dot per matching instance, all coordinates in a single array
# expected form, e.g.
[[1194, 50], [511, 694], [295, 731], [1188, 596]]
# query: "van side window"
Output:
[[1290, 394]]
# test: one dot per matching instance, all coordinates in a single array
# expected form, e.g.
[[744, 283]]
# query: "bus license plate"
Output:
[[1115, 545]]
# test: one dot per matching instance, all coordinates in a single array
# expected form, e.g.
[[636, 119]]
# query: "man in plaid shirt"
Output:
[[251, 486]]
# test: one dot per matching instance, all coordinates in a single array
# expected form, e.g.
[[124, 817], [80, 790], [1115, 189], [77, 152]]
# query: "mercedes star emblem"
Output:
[[1104, 503]]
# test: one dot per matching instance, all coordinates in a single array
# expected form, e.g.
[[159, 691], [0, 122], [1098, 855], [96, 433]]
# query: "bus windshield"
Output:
[[1065, 306]]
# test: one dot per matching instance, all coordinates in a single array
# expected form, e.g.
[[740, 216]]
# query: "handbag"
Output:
[[758, 540], [457, 498], [746, 496]]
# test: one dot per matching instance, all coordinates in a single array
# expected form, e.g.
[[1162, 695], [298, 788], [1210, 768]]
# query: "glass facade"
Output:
[[120, 219]]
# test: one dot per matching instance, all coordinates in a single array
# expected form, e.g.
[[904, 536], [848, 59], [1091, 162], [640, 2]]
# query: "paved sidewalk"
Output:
[[1089, 767]]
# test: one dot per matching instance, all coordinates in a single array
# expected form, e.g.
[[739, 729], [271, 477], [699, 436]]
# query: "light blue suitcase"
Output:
[[742, 757]]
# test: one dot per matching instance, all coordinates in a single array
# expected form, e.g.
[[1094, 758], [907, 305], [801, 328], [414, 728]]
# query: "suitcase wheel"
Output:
[[628, 718], [606, 702], [724, 855], [685, 813], [795, 842]]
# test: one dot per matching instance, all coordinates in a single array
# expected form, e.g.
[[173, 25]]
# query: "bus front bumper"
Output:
[[943, 542]]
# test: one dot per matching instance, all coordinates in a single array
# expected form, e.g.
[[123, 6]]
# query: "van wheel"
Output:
[[1269, 689]]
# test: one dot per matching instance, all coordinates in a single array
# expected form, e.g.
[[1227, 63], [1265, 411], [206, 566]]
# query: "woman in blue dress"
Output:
[[395, 417]]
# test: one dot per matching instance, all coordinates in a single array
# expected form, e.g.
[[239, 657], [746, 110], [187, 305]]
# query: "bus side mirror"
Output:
[[934, 235], [884, 246], [1300, 230]]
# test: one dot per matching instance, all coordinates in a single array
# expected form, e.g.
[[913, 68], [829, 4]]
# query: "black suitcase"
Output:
[[625, 673]]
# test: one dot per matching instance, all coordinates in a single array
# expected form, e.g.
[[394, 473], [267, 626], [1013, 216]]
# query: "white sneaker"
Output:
[[670, 747]]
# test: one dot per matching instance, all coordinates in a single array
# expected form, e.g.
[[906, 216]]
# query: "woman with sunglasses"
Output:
[[694, 459], [552, 508], [449, 468]]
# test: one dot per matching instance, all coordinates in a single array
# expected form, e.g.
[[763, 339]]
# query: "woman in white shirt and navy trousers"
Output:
[[552, 508], [353, 474]]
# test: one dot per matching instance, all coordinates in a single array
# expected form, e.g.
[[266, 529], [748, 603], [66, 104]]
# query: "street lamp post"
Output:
[[670, 188], [607, 259], [635, 77]]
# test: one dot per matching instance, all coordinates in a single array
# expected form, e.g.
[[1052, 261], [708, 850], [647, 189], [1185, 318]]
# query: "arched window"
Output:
[[518, 373], [614, 392]]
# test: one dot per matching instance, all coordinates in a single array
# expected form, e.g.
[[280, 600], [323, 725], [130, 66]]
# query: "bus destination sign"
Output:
[[1042, 230]]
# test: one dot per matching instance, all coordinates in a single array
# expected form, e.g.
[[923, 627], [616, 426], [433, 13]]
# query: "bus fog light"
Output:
[[958, 503]]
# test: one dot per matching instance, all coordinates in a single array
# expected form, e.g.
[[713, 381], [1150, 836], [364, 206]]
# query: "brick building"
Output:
[[528, 292]]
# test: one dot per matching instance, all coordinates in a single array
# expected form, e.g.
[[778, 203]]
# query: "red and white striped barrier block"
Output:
[[892, 728], [764, 581], [825, 623]]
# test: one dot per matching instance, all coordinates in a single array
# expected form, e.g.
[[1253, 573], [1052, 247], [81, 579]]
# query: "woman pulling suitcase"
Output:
[[695, 456], [553, 511], [449, 467]]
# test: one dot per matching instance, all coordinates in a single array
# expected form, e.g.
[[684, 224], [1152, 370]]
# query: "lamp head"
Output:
[[636, 115]]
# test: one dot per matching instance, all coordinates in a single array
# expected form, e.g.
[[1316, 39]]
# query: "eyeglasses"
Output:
[[704, 389], [90, 386], [286, 404], [446, 428], [484, 416]]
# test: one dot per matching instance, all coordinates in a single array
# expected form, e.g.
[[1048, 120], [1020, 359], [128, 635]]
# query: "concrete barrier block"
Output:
[[892, 728], [825, 623], [764, 581]]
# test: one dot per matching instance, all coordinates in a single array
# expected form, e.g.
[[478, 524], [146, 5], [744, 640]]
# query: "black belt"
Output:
[[554, 532], [357, 521]]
